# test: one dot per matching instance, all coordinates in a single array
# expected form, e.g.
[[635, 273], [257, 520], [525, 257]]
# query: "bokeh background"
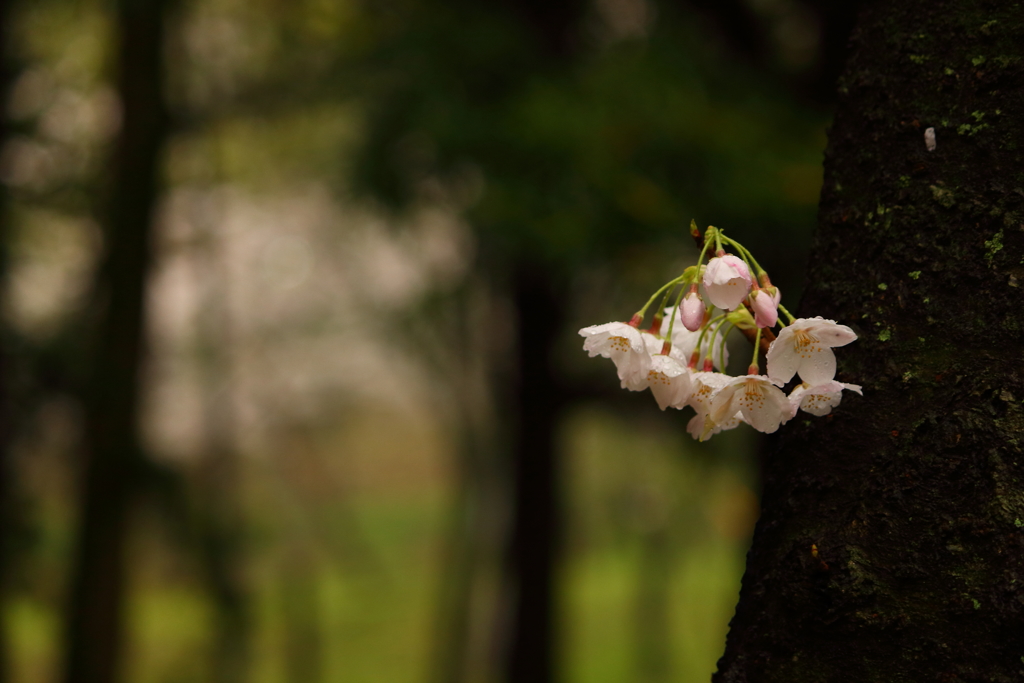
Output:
[[368, 429]]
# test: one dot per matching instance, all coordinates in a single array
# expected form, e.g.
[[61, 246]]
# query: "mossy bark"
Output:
[[891, 540]]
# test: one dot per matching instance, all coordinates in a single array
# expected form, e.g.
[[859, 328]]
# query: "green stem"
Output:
[[675, 311], [700, 259], [757, 349], [661, 307], [667, 286], [747, 256], [788, 314], [711, 341]]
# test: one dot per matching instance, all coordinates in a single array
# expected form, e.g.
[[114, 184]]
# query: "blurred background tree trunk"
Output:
[[537, 515], [890, 537], [6, 343], [94, 628]]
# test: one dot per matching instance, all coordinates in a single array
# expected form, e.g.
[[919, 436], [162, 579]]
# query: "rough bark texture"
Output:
[[911, 495], [94, 625]]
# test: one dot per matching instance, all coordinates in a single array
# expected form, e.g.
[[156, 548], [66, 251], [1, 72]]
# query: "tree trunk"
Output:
[[891, 535], [7, 74], [536, 517], [94, 624]]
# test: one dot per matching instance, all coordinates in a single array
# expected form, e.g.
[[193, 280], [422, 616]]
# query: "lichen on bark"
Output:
[[891, 540]]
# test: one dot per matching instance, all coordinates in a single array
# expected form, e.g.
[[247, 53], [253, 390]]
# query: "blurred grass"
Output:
[[601, 591], [345, 581]]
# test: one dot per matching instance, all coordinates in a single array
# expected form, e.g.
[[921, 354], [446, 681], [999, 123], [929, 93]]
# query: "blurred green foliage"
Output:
[[575, 157], [593, 161]]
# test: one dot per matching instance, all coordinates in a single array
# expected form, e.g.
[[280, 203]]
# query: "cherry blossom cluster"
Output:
[[682, 357]]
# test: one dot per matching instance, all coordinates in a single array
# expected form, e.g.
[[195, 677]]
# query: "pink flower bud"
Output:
[[727, 281], [693, 310], [765, 303]]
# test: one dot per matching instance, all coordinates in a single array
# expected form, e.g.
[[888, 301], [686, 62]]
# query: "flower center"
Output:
[[806, 343], [619, 344], [660, 377], [753, 394], [702, 394]]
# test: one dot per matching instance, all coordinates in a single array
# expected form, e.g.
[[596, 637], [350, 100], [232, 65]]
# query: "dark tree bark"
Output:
[[891, 537], [536, 522], [94, 624]]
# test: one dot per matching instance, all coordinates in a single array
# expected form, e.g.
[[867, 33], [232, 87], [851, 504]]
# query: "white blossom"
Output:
[[706, 386], [805, 347], [684, 342], [625, 346], [695, 427], [821, 399], [762, 404], [669, 381]]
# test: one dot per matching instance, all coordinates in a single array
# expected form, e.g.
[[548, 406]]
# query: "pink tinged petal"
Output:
[[766, 307], [817, 364], [669, 381], [835, 335], [798, 349], [684, 342], [724, 403], [625, 346], [705, 385], [633, 370], [828, 332], [726, 281], [762, 405], [692, 311], [602, 340], [652, 344], [795, 397], [783, 359], [698, 423], [821, 399]]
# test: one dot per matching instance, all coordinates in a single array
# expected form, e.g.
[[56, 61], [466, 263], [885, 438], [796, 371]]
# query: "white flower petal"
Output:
[[782, 357], [805, 348], [625, 346], [763, 406], [684, 342], [832, 334], [705, 385], [698, 422], [856, 388], [602, 340], [724, 403], [820, 399], [817, 364], [669, 381]]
